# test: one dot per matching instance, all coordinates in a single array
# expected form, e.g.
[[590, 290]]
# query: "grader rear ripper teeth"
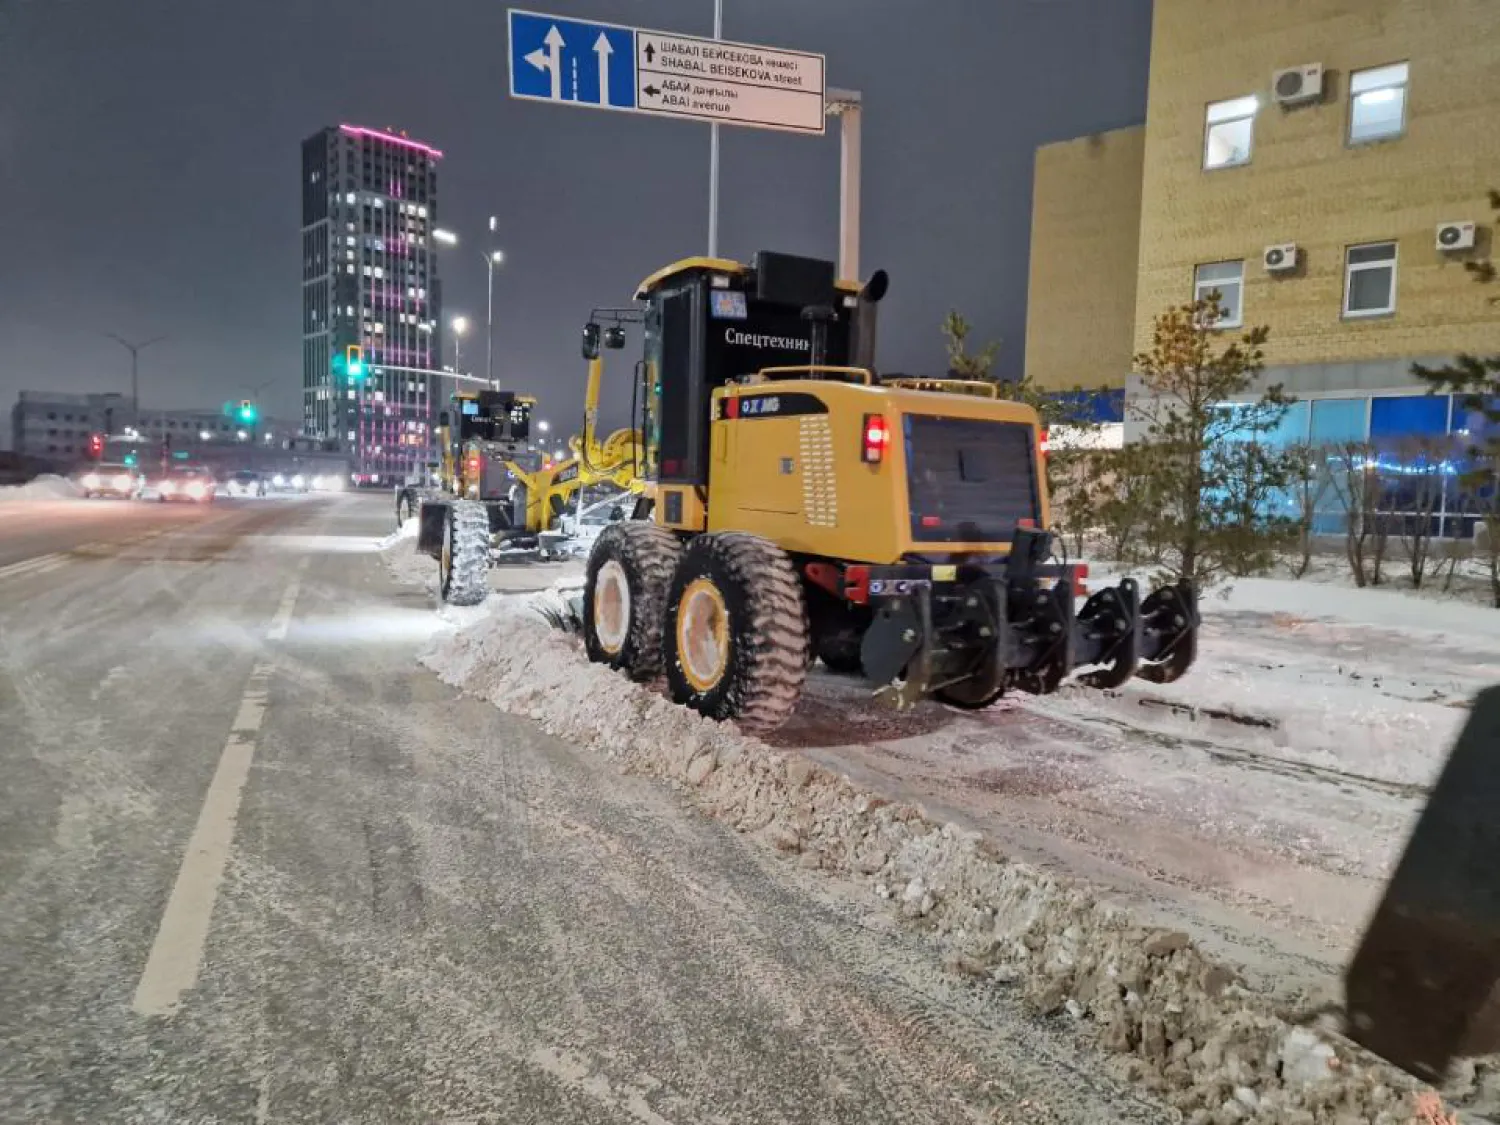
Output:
[[971, 632], [797, 505]]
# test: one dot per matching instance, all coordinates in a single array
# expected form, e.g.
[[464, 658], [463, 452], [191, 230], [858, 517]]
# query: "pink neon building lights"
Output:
[[361, 131]]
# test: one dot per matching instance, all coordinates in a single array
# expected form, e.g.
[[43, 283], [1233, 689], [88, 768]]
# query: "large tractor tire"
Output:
[[464, 560], [736, 631], [624, 597]]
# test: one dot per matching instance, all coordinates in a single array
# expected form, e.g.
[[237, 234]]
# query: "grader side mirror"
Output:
[[874, 290], [614, 337], [591, 341], [442, 418]]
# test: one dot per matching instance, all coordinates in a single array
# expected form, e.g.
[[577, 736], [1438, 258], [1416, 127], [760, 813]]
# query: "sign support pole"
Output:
[[713, 154], [847, 106]]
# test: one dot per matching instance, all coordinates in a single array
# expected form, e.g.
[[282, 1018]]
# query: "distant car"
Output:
[[193, 486], [246, 483], [289, 482], [112, 479]]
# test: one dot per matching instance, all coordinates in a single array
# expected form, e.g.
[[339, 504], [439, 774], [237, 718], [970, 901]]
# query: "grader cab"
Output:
[[798, 505]]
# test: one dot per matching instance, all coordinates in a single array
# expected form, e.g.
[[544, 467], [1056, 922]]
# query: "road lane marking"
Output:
[[38, 565], [176, 955], [283, 619]]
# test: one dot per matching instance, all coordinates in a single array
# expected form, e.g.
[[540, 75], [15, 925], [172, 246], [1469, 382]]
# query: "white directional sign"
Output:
[[682, 76], [606, 66]]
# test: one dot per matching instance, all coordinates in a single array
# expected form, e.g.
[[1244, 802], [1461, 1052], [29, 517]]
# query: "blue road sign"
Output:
[[569, 61]]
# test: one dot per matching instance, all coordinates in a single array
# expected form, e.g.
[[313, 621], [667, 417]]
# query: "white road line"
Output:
[[177, 953], [283, 619], [28, 566]]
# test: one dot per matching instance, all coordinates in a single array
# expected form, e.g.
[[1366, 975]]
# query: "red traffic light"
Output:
[[96, 445]]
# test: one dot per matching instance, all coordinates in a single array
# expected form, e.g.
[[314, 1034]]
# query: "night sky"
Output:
[[149, 171]]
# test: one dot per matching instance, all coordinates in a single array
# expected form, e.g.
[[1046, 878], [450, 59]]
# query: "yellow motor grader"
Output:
[[797, 504]]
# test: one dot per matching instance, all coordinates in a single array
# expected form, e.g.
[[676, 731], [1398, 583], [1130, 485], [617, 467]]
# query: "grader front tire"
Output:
[[624, 596]]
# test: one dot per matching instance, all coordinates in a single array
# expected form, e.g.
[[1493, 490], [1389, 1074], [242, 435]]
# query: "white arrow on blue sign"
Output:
[[560, 60], [606, 66]]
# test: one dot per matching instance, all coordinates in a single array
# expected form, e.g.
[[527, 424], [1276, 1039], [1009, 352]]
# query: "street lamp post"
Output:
[[460, 326], [492, 258], [135, 367]]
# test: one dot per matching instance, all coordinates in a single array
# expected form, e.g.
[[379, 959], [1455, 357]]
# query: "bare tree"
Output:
[[1413, 497], [1310, 489], [1355, 481]]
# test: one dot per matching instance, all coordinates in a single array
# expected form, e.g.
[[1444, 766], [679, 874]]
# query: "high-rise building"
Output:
[[369, 282]]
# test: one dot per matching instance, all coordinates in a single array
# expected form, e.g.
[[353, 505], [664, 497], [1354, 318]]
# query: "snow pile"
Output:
[[407, 565], [1175, 1021], [45, 487], [407, 530]]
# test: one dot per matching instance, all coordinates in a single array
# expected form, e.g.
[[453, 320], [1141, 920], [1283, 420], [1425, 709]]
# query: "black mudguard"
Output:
[[431, 517], [1424, 986]]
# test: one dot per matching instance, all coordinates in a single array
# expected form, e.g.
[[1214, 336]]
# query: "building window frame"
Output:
[[1222, 116], [1391, 85], [1352, 267], [1202, 287]]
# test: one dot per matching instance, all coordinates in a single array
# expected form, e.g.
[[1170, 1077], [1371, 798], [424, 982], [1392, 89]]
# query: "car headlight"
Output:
[[195, 489], [278, 481], [91, 481], [298, 481], [122, 482], [167, 486]]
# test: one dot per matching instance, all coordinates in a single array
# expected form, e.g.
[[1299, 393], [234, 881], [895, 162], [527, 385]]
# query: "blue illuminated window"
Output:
[[1339, 420], [1408, 415]]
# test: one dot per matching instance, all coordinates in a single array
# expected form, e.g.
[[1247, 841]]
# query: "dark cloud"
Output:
[[149, 163]]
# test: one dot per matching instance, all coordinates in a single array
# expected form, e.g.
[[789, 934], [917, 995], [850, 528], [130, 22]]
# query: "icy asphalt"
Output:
[[257, 866]]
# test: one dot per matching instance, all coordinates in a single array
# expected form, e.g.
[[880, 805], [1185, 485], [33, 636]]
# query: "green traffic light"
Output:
[[356, 369]]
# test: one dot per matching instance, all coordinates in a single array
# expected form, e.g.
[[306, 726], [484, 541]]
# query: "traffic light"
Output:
[[354, 361], [96, 446], [247, 411]]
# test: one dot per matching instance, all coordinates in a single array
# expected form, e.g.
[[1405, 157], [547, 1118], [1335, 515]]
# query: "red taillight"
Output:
[[857, 584], [877, 436], [932, 521], [473, 466], [1043, 443]]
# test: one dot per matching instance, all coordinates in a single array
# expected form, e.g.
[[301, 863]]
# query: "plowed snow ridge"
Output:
[[1181, 1024]]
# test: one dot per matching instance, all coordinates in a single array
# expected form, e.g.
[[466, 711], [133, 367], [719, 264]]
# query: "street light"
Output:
[[492, 258], [135, 351], [543, 426], [460, 326]]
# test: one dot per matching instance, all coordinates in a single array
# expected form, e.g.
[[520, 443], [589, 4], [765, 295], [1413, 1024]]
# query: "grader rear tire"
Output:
[[464, 560], [736, 631], [624, 596]]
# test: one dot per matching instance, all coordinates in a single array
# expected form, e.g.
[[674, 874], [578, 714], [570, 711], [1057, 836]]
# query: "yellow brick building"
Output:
[[1385, 131], [1085, 243]]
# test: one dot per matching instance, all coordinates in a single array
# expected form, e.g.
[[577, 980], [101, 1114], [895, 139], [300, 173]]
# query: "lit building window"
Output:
[[1228, 280], [1370, 279], [1377, 103], [1229, 132]]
